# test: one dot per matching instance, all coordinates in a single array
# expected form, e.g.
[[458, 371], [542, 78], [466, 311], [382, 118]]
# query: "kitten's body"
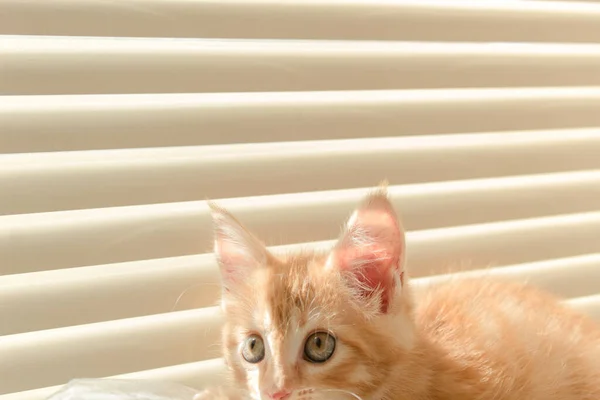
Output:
[[464, 339], [486, 339]]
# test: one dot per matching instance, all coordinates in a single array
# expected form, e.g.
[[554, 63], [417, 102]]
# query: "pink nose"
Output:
[[281, 395]]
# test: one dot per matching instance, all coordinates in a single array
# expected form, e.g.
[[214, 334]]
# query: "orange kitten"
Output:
[[346, 320]]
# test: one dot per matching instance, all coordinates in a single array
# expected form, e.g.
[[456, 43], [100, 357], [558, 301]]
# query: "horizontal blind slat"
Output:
[[568, 278], [43, 65], [108, 348], [589, 305], [150, 176], [318, 19], [63, 123]]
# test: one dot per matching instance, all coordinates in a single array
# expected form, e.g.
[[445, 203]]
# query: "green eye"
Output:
[[253, 350], [319, 347]]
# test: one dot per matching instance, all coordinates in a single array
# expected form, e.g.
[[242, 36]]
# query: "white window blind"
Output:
[[119, 118]]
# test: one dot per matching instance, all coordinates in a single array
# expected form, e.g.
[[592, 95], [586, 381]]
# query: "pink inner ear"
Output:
[[233, 262], [371, 249], [373, 268]]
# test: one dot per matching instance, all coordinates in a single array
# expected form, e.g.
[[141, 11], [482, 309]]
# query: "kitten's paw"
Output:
[[219, 393]]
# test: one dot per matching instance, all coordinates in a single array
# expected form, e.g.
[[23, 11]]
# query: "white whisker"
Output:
[[343, 391], [308, 394]]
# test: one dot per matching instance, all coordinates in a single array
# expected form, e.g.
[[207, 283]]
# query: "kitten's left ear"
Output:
[[238, 251], [372, 249]]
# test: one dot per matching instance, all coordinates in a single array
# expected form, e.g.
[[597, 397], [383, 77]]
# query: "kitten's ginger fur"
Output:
[[462, 340]]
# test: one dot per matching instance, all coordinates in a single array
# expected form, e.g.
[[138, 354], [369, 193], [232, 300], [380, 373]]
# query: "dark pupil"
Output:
[[318, 342], [252, 343]]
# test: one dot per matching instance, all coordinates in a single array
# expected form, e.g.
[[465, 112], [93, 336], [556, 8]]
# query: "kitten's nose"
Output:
[[281, 395]]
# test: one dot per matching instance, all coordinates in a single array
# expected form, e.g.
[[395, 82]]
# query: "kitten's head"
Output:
[[302, 321]]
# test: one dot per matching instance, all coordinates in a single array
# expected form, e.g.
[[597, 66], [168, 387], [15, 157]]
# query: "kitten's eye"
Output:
[[254, 349], [319, 347]]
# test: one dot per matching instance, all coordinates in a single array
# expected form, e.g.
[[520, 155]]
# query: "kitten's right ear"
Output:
[[371, 250], [237, 250]]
